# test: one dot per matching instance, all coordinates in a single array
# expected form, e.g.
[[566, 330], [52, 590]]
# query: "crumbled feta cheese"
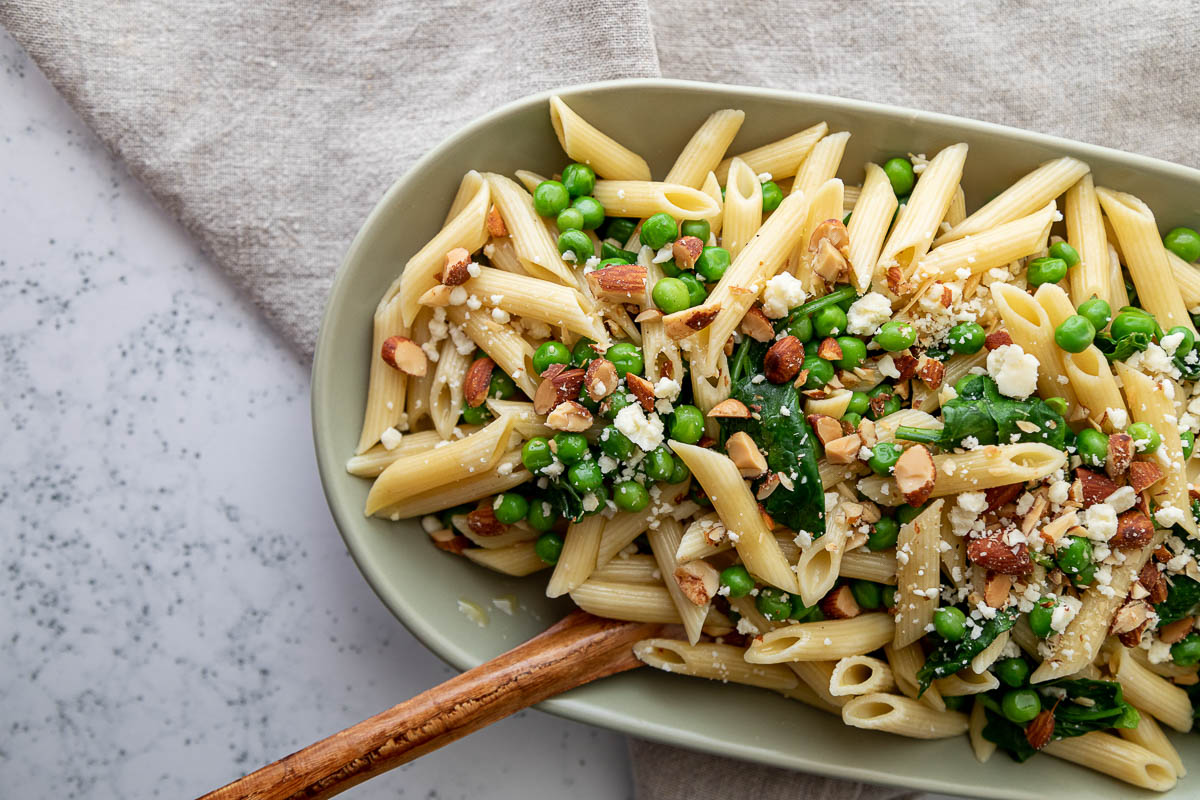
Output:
[[1064, 612], [646, 433], [1117, 417], [746, 627], [867, 314], [975, 502], [1122, 499], [1014, 370], [1100, 519], [390, 439], [1169, 515], [458, 296], [505, 469], [1170, 343], [783, 293], [430, 523], [1059, 492]]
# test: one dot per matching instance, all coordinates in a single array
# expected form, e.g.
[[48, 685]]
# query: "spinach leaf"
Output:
[[980, 411], [564, 499], [949, 657], [1123, 348], [1190, 371], [1182, 597], [791, 449], [1103, 706]]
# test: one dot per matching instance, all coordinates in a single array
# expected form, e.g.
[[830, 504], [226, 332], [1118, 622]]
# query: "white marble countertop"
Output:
[[178, 605]]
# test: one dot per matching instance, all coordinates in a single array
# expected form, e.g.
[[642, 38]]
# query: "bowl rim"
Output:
[[330, 462]]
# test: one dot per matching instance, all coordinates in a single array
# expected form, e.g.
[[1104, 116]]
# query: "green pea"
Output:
[[579, 179], [569, 219], [1058, 405], [1068, 254], [906, 513], [1046, 270], [630, 496], [699, 497], [738, 580], [697, 294], [1074, 555], [687, 424], [799, 610], [1189, 443], [712, 263], [820, 372], [896, 335], [884, 456], [626, 357], [800, 326], [1092, 447], [501, 386], [695, 227], [900, 173], [615, 444], [1012, 672], [659, 230], [853, 352], [510, 508], [1186, 343], [680, 473], [852, 418], [659, 464], [583, 354], [611, 262], [548, 547], [1075, 334], [585, 476], [570, 447], [883, 534], [772, 196], [670, 295], [859, 403], [1040, 616], [549, 198], [890, 594], [550, 353], [613, 404], [619, 228], [950, 623], [1021, 705], [774, 604], [1145, 438], [867, 594], [592, 211], [477, 415], [1132, 321], [1098, 312], [1183, 242], [1186, 651], [536, 454], [829, 321], [576, 242], [541, 516], [966, 337]]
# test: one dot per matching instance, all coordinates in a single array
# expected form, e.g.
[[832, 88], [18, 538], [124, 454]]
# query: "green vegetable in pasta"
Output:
[[1183, 242], [1097, 311], [1145, 438], [1075, 333], [585, 476], [854, 352], [659, 230], [541, 516], [966, 337], [1040, 616], [670, 295], [548, 547], [630, 496], [536, 454], [829, 321], [696, 291], [948, 657], [868, 594], [583, 354], [569, 219], [549, 198], [883, 535], [1046, 269], [1064, 251], [1186, 651], [1092, 447], [615, 444], [712, 263], [772, 196], [579, 180], [896, 335], [900, 173], [475, 416], [577, 243], [884, 456], [738, 580], [660, 464], [620, 229], [550, 353], [950, 623], [687, 424], [774, 604], [1012, 672], [1021, 705], [592, 211], [510, 508], [570, 447], [626, 357], [695, 227]]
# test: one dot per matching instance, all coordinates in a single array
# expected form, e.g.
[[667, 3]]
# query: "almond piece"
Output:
[[1134, 529], [844, 450], [915, 474], [600, 378], [1143, 475], [931, 372], [992, 552], [1040, 730], [783, 360], [1120, 454], [649, 315], [727, 349], [620, 283], [896, 283], [557, 387], [683, 324], [1133, 638], [866, 429], [996, 589], [906, 363], [826, 428], [830, 265], [642, 389], [1055, 529], [477, 381], [829, 349], [756, 325], [495, 222], [1000, 496], [1095, 487], [448, 540], [1034, 515], [482, 522], [744, 453], [686, 250], [1150, 579], [1172, 632], [996, 339], [405, 355], [436, 296], [698, 580], [840, 604], [569, 416], [1129, 617], [832, 231], [730, 408], [878, 402], [455, 272]]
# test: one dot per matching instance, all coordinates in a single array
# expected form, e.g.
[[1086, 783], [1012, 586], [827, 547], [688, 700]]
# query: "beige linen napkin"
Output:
[[271, 127]]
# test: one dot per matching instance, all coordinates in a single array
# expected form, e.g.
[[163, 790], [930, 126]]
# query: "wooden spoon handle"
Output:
[[578, 649]]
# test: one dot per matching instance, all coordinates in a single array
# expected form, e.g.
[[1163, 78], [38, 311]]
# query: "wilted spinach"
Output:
[[1103, 707], [980, 411], [949, 657]]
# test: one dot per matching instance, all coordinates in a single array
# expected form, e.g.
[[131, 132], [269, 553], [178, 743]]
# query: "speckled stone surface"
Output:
[[177, 606]]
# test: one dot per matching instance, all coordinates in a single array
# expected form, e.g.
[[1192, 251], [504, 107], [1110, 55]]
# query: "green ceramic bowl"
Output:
[[422, 585]]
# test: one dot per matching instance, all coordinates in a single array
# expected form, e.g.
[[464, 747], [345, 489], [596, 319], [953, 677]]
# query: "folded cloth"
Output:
[[270, 128]]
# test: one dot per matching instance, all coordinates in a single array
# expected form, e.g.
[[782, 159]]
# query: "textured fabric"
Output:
[[270, 128]]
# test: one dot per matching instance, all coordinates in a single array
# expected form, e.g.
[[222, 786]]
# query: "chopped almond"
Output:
[[829, 349], [683, 324], [405, 355], [482, 522], [1143, 475], [866, 429], [1150, 579], [600, 378], [698, 581], [768, 486], [569, 416], [745, 454], [996, 589], [1120, 454], [436, 296], [845, 450], [830, 265], [642, 389], [915, 474], [1055, 529], [730, 408], [1034, 515], [756, 325], [1129, 617], [826, 428], [1039, 731], [782, 362], [1000, 496], [477, 381], [1095, 487], [649, 315], [992, 552], [1134, 529], [557, 386], [455, 272], [832, 231], [840, 604], [495, 222], [931, 372], [1172, 632], [448, 540], [620, 283], [686, 250]]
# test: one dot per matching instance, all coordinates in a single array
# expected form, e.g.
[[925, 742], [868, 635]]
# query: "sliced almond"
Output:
[[829, 349], [1034, 515], [896, 283], [830, 265], [482, 522], [683, 324], [844, 450], [826, 428], [1094, 487], [495, 222], [757, 325], [866, 429], [996, 589], [931, 372], [477, 381], [436, 296], [456, 272], [1129, 617], [730, 408], [871, 512], [649, 315], [744, 453], [448, 540], [557, 386], [698, 580], [767, 487], [840, 604], [1055, 529], [1143, 475], [405, 355], [915, 474], [1172, 632], [782, 361], [642, 389], [569, 416], [1039, 732], [600, 378], [686, 250], [1134, 530], [1120, 455], [620, 283], [832, 231]]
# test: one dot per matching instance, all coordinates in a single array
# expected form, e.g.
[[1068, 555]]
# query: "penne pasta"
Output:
[[584, 143], [647, 198], [823, 641], [704, 151], [857, 675], [780, 159], [894, 713], [918, 574], [1024, 197], [664, 542], [1085, 232], [869, 223], [821, 165], [716, 662], [1116, 757], [743, 208]]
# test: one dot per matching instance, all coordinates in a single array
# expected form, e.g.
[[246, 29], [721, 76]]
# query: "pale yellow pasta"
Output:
[[417, 399], [893, 713], [976, 720], [918, 574], [869, 223], [966, 682], [467, 230], [526, 422], [825, 204], [532, 298], [1029, 326], [779, 159], [918, 222], [513, 534], [995, 465], [818, 568], [731, 497], [1027, 195], [1145, 258], [716, 662], [1085, 232], [855, 675], [386, 384], [704, 151], [743, 208], [375, 460], [990, 654], [1116, 758], [1116, 278], [511, 351], [869, 565], [639, 603], [518, 559], [835, 405], [534, 245], [625, 526], [712, 188], [584, 143], [503, 255], [821, 164], [1150, 735], [529, 179], [1088, 371], [994, 247], [905, 662], [664, 541], [647, 198], [827, 640], [636, 568], [504, 475], [578, 558], [446, 391], [1150, 693], [1187, 276], [410, 475]]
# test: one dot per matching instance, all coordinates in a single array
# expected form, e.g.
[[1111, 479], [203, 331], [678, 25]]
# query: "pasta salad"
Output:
[[926, 470]]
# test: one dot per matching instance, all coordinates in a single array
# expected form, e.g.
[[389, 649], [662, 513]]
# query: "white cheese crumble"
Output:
[[1118, 417], [867, 314], [783, 293], [1014, 370], [1122, 499], [1100, 520], [646, 433], [390, 439]]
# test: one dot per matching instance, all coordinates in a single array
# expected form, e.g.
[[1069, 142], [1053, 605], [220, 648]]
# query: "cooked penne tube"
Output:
[[1187, 277], [638, 603], [586, 144], [446, 391], [825, 204], [1116, 757], [532, 298], [578, 558], [1150, 693], [823, 641], [905, 662], [511, 351], [1150, 735], [518, 559], [386, 384], [716, 662], [1091, 378], [857, 675], [712, 188], [893, 713], [821, 164], [782, 158], [647, 198], [743, 208], [995, 465], [917, 224], [989, 655], [534, 245], [818, 567], [966, 682], [868, 565], [1085, 232], [704, 151], [991, 248], [1029, 326], [918, 574], [664, 541], [375, 460], [1024, 197], [630, 569], [869, 223], [506, 474]]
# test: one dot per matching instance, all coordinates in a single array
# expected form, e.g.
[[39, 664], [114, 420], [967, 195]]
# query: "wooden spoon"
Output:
[[576, 650]]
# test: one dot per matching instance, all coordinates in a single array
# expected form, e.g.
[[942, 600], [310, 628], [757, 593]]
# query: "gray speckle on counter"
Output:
[[178, 608]]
